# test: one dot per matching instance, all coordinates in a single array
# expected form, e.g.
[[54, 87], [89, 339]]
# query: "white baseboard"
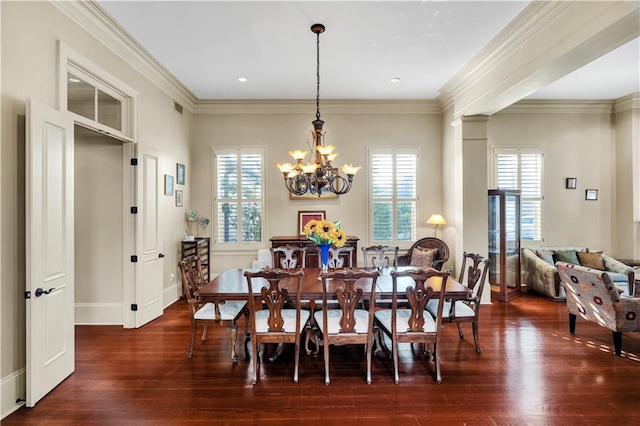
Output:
[[99, 314], [12, 388], [171, 294]]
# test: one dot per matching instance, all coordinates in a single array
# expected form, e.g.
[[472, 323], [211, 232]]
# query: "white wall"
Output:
[[30, 31], [578, 142], [352, 128]]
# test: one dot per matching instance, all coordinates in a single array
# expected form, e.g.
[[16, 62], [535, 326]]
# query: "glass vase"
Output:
[[324, 258]]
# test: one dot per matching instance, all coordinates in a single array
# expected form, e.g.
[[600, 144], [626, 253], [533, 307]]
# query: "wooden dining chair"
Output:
[[474, 277], [289, 257], [209, 313], [275, 323], [350, 324], [413, 324], [339, 257], [379, 256]]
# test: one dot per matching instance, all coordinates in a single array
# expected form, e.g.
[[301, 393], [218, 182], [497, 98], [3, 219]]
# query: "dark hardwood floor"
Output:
[[531, 371]]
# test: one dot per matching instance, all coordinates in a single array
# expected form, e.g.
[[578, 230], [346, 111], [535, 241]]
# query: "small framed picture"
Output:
[[168, 185], [591, 194], [179, 174], [307, 215], [178, 198], [571, 183]]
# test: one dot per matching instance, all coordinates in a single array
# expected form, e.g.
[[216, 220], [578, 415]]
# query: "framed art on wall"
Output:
[[307, 215], [179, 174], [591, 194], [571, 183], [178, 198], [168, 185]]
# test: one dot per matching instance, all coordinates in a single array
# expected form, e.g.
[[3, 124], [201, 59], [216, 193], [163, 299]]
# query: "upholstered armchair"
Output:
[[421, 252], [592, 295]]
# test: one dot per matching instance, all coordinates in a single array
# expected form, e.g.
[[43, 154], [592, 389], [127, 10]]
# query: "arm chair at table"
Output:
[[289, 257], [474, 277], [420, 250], [592, 295], [276, 323], [379, 256], [349, 324], [413, 324], [209, 313]]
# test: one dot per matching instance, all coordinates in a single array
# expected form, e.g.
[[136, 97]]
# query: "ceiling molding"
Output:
[[93, 19], [627, 103], [309, 106], [555, 106]]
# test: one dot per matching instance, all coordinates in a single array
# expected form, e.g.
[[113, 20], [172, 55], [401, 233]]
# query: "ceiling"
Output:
[[208, 45]]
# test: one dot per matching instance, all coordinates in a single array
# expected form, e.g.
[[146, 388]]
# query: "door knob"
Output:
[[40, 292], [161, 255]]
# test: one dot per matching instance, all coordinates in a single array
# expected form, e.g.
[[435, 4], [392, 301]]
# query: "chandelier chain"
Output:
[[318, 76]]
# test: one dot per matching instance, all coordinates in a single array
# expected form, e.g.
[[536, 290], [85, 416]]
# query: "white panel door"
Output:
[[148, 292], [49, 250]]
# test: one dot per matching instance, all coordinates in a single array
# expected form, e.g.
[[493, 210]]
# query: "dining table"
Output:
[[232, 285]]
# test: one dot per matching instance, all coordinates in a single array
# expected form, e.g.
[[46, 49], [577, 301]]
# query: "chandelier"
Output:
[[320, 176]]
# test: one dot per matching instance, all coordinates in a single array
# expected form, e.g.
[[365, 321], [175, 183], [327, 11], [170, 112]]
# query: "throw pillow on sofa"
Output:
[[568, 256], [422, 258], [591, 260], [546, 255]]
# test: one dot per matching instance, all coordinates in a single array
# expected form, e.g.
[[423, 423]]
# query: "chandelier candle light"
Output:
[[319, 176], [324, 234]]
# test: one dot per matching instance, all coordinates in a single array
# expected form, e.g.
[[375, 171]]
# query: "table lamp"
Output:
[[436, 220]]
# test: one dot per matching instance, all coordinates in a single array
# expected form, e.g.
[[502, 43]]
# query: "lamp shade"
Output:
[[436, 219]]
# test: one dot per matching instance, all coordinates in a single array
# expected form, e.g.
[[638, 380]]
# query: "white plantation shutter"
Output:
[[239, 199], [522, 168], [393, 194]]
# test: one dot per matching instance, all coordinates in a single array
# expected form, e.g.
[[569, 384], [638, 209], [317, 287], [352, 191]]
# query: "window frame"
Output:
[[519, 151], [403, 150], [239, 245]]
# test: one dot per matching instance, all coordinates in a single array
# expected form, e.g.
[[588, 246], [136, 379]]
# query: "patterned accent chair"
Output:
[[592, 295]]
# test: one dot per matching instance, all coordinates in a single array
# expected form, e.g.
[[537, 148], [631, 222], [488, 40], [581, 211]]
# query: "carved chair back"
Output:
[[379, 256]]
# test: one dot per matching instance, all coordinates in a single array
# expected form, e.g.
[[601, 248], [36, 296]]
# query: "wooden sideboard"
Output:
[[312, 254]]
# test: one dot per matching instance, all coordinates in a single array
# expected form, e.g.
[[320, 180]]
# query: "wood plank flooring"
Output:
[[531, 371]]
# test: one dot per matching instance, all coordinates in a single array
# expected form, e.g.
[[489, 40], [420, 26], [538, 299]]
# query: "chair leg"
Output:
[[394, 350], [233, 335], [369, 349], [204, 333], [474, 328], [460, 332], [572, 323], [254, 358], [193, 338], [617, 342], [326, 362], [436, 361], [296, 361]]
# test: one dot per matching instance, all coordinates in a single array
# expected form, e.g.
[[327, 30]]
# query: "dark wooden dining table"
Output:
[[232, 285]]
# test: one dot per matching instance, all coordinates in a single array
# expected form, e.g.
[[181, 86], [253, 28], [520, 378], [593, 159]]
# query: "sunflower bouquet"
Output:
[[323, 232]]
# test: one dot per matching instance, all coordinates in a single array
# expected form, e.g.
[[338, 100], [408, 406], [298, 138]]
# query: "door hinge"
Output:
[[134, 307], [134, 258], [134, 210], [27, 295], [134, 161]]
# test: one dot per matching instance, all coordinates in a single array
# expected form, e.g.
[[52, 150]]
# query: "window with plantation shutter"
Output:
[[522, 168], [393, 195], [238, 199]]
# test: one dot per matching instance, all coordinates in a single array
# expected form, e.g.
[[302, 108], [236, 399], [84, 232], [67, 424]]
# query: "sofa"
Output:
[[540, 274]]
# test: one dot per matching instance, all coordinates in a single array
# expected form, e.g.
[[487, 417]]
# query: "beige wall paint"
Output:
[[580, 145], [351, 131], [30, 31]]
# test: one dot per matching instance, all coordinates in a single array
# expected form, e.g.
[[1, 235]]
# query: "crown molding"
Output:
[[336, 106], [559, 106], [531, 21], [97, 22], [629, 102]]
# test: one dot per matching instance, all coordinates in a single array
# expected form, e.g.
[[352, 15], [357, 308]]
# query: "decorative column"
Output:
[[471, 185]]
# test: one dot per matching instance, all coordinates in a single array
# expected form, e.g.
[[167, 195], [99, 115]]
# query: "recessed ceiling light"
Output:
[[74, 80], [395, 80], [242, 79]]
